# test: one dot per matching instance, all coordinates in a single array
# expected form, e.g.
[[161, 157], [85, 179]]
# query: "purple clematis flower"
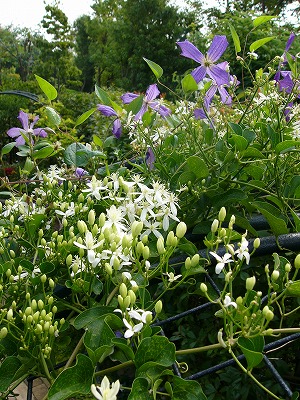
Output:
[[287, 84], [80, 172], [207, 62], [149, 101], [108, 111], [287, 47], [27, 130]]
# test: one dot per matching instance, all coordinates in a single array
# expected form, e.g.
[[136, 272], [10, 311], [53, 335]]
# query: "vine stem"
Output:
[[249, 373], [74, 353]]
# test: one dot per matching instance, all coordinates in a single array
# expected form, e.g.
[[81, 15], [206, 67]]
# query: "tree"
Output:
[[18, 51], [57, 57]]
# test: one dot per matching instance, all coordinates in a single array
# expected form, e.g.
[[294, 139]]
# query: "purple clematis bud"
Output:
[[149, 101], [80, 172], [207, 62], [150, 158], [27, 130], [108, 111]]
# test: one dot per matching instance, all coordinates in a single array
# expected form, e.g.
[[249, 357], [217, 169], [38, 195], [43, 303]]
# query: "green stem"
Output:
[[74, 353], [14, 385], [45, 367], [115, 368], [251, 376]]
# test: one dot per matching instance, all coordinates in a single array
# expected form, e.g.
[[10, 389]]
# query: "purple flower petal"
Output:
[[225, 96], [117, 128], [209, 96], [20, 140], [218, 74], [14, 132], [164, 111], [128, 97], [141, 112], [190, 51], [152, 92], [107, 110], [290, 41], [199, 73], [35, 120], [217, 48], [200, 113], [40, 132], [23, 118]]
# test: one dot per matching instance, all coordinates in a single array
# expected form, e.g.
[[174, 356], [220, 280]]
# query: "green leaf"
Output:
[[239, 142], [140, 390], [78, 154], [252, 350], [8, 369], [47, 88], [262, 19], [53, 117], [189, 85], [196, 165], [83, 117], [236, 39], [293, 289], [47, 267], [98, 142], [7, 148], [157, 349], [135, 105], [102, 95], [73, 381], [273, 216], [187, 390], [43, 152], [286, 146], [90, 315], [155, 68], [258, 43]]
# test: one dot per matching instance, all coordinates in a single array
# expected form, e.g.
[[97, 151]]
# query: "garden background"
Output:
[[150, 189]]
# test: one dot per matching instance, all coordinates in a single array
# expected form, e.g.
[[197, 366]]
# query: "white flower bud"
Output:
[[160, 245], [222, 214], [214, 226], [250, 282], [158, 307], [181, 230], [91, 217]]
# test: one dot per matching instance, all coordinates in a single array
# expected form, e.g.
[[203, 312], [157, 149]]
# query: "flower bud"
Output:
[[139, 248], [158, 307], [275, 275], [239, 301], [203, 287], [43, 278], [250, 282], [120, 301], [123, 290], [297, 261], [12, 253], [188, 263], [132, 296], [146, 253], [136, 228], [170, 238], [287, 267], [81, 225], [181, 229], [28, 311], [3, 332], [102, 219], [108, 269], [40, 304], [222, 214], [51, 283], [116, 264], [10, 314], [195, 260], [214, 226], [160, 245], [126, 302], [256, 243], [91, 217]]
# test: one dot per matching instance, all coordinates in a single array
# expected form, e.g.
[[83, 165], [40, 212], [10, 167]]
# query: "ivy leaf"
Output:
[[157, 349], [73, 381], [140, 390], [155, 68], [47, 88], [252, 350], [187, 390], [8, 369]]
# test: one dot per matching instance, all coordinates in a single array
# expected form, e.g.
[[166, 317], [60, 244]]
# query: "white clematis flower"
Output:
[[104, 391]]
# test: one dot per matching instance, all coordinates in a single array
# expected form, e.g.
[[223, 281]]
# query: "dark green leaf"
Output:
[[73, 381], [252, 350], [157, 349], [8, 369], [90, 315], [140, 390], [196, 165], [7, 148], [273, 216], [236, 39], [53, 117], [187, 390]]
